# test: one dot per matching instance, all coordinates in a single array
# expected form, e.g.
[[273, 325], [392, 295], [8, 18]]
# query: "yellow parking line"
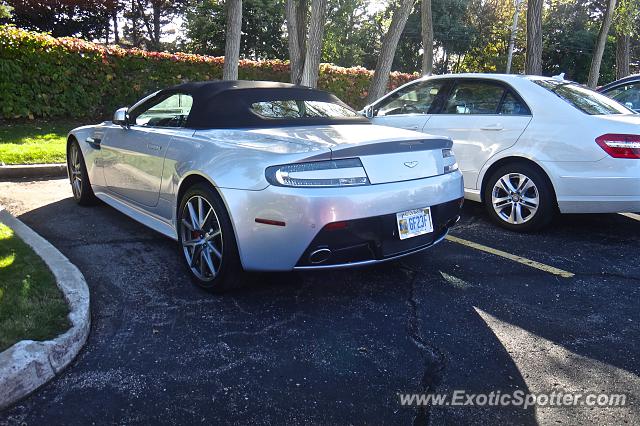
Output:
[[631, 215], [519, 259]]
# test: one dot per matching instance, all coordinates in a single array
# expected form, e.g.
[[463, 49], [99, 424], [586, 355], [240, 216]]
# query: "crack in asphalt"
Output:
[[75, 243], [606, 275], [263, 330], [434, 362]]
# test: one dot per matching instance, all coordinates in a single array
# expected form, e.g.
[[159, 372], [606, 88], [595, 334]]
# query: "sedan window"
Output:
[[414, 99], [627, 94], [474, 97], [170, 112], [582, 98], [511, 105]]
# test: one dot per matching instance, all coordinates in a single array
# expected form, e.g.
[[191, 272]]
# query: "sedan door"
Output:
[[410, 107], [133, 156], [483, 117]]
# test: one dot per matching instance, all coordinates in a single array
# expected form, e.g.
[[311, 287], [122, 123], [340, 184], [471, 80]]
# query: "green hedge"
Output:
[[44, 76]]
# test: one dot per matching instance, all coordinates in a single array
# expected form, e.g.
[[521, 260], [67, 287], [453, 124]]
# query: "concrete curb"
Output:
[[28, 364], [33, 171]]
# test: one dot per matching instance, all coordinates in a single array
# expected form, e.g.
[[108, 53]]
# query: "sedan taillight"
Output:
[[619, 145]]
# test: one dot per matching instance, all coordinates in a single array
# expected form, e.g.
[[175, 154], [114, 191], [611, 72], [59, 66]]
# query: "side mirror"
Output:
[[368, 111], [121, 117]]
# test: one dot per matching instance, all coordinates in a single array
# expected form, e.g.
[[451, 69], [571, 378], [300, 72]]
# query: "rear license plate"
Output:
[[414, 222]]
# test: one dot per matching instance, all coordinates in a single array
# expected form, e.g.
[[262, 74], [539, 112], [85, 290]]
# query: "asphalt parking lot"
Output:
[[338, 347]]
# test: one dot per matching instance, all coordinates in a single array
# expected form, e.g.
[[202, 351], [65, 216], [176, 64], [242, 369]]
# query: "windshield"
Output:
[[584, 99], [301, 109]]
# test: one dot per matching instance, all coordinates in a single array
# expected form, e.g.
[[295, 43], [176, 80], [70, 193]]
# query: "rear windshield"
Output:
[[301, 109], [584, 99]]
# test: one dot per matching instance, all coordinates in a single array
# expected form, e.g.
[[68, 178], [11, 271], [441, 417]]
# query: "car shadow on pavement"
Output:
[[335, 346]]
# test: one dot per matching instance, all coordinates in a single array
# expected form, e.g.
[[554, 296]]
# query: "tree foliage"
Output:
[[5, 11], [626, 17], [144, 20], [84, 18], [352, 34], [262, 24], [569, 38], [469, 35]]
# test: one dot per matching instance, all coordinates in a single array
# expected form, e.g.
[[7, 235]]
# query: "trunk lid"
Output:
[[388, 154]]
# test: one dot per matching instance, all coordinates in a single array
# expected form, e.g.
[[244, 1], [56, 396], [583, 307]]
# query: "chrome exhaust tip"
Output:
[[319, 256]]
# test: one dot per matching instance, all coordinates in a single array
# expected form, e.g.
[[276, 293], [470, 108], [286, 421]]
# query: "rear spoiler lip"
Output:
[[391, 147]]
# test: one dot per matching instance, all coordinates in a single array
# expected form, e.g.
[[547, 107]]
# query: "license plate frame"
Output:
[[414, 222]]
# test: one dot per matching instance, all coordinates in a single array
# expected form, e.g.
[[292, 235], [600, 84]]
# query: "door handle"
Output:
[[154, 147], [492, 127], [411, 128]]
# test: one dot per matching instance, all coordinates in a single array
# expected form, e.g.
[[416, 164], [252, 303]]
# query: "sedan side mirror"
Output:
[[121, 117], [368, 111]]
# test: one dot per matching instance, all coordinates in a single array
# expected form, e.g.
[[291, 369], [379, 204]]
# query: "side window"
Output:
[[474, 97], [414, 99], [628, 95], [511, 105], [170, 112]]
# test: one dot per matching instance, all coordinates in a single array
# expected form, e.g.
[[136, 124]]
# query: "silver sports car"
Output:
[[267, 176]]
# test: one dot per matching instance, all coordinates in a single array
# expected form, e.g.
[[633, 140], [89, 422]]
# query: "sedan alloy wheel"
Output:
[[519, 197], [515, 198]]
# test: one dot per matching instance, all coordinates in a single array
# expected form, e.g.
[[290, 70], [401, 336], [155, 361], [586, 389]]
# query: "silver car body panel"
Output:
[[140, 171]]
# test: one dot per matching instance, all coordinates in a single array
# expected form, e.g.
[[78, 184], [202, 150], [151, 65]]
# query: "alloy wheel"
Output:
[[201, 237], [515, 198], [75, 171]]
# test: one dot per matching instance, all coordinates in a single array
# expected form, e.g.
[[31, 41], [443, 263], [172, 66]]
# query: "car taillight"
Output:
[[620, 146]]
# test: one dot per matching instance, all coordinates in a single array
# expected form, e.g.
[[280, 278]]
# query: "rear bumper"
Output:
[[375, 239], [305, 212], [610, 185]]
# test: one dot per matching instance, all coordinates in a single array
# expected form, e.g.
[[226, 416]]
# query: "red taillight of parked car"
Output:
[[620, 146]]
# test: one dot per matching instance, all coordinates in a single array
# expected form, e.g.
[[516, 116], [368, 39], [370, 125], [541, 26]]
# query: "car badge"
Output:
[[411, 164]]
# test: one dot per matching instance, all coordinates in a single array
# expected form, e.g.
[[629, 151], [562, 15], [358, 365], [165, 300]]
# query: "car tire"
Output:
[[520, 197], [78, 176], [207, 243]]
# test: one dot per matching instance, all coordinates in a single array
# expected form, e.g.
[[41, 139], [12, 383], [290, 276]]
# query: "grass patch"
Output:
[[31, 304], [37, 142]]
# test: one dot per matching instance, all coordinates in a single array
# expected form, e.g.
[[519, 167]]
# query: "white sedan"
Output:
[[527, 146]]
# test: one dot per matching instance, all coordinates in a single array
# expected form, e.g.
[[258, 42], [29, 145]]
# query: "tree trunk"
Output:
[[232, 45], [148, 25], [596, 61], [315, 37], [107, 29], [116, 35], [297, 39], [459, 62], [533, 64], [135, 35], [157, 10], [302, 13], [623, 48], [512, 37], [389, 44], [427, 37]]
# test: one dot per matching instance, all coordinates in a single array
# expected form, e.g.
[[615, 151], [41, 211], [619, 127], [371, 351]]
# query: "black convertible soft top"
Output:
[[227, 104]]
